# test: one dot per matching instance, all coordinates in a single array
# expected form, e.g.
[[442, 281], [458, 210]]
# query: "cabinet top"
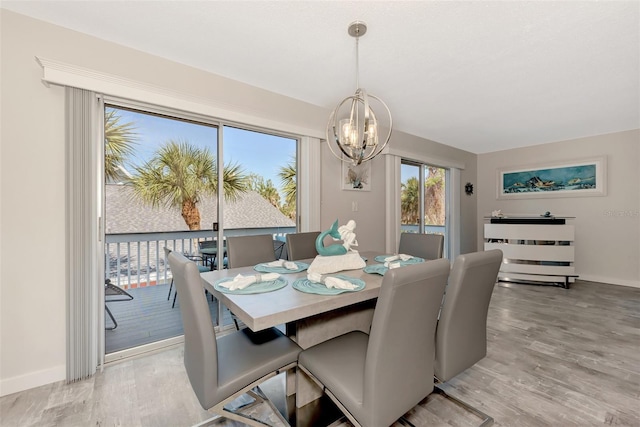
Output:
[[553, 220], [527, 216]]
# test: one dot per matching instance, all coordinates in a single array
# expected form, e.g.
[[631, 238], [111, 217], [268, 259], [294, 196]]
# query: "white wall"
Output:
[[370, 216], [607, 228], [32, 178]]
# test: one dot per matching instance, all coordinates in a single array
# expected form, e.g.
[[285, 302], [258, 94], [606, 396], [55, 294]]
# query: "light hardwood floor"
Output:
[[556, 357]]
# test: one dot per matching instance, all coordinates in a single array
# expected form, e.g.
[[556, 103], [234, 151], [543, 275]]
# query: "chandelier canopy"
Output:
[[353, 131]]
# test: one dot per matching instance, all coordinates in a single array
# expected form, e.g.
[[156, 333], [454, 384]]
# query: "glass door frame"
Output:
[[448, 253]]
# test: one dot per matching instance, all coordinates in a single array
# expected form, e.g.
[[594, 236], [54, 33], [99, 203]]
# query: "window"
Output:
[[423, 199]]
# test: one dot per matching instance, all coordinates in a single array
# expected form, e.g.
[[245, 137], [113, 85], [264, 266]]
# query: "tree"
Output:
[[180, 175], [119, 143], [265, 189], [409, 201], [289, 187], [434, 195]]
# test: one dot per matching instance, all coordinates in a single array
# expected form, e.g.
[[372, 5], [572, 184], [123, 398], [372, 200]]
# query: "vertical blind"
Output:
[[82, 244]]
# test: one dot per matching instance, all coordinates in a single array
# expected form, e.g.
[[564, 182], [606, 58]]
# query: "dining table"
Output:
[[309, 318]]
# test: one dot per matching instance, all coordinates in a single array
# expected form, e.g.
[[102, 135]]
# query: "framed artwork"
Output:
[[356, 178], [586, 177]]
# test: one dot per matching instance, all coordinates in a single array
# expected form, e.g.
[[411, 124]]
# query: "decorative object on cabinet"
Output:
[[586, 177]]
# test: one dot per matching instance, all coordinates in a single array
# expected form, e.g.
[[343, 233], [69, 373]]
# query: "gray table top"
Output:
[[262, 311]]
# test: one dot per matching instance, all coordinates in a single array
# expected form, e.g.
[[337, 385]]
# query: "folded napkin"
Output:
[[289, 265], [241, 282], [391, 265], [401, 257], [331, 282]]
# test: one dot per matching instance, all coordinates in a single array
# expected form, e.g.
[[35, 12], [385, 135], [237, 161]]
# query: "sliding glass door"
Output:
[[161, 191], [423, 201]]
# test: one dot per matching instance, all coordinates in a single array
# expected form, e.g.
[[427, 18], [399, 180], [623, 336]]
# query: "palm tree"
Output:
[[119, 142], [287, 176], [409, 201], [180, 174], [434, 194], [265, 189]]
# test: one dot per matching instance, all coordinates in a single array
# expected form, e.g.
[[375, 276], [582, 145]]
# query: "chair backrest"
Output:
[[200, 347], [302, 245], [244, 251], [167, 251], [427, 246], [399, 363], [461, 335]]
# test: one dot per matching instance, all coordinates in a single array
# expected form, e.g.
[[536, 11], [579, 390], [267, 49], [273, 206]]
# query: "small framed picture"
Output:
[[356, 178]]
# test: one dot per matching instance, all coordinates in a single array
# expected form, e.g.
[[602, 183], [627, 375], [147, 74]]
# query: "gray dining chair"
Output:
[[461, 333], [427, 246], [302, 245], [222, 369], [244, 251], [375, 379]]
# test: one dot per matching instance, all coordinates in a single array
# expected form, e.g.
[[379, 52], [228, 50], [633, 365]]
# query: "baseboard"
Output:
[[32, 379], [620, 282]]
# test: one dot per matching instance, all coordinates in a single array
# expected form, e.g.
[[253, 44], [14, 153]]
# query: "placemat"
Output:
[[256, 288], [264, 268], [414, 260], [305, 285], [376, 269]]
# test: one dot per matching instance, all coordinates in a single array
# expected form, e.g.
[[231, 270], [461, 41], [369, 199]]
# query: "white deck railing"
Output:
[[138, 260]]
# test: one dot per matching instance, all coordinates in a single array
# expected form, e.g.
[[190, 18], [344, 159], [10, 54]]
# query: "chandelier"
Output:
[[353, 126]]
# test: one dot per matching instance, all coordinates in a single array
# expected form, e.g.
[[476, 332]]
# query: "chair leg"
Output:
[[174, 299], [210, 421], [113, 319], [170, 286], [486, 419]]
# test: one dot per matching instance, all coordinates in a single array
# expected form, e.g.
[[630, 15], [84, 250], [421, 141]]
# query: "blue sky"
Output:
[[255, 152], [408, 171]]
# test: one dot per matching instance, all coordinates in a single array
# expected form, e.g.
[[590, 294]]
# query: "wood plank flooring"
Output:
[[556, 357]]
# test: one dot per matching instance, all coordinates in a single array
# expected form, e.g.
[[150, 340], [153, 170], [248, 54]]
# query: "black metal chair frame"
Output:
[[121, 295]]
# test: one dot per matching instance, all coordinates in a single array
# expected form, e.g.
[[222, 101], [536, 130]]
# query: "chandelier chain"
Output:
[[353, 127], [357, 63]]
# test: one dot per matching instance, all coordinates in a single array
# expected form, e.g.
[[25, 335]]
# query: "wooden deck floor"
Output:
[[148, 318]]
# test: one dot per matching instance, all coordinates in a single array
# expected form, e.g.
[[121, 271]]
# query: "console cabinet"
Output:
[[536, 250]]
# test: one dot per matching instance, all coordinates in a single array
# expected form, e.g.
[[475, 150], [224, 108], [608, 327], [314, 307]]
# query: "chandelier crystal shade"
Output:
[[354, 129]]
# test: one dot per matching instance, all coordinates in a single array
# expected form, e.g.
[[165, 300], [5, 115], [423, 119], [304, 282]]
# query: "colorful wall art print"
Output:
[[582, 178], [356, 178]]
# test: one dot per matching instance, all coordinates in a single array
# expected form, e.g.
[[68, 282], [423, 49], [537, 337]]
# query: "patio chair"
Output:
[[208, 249], [117, 294]]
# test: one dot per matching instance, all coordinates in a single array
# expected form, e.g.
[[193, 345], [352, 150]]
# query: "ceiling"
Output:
[[482, 76]]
